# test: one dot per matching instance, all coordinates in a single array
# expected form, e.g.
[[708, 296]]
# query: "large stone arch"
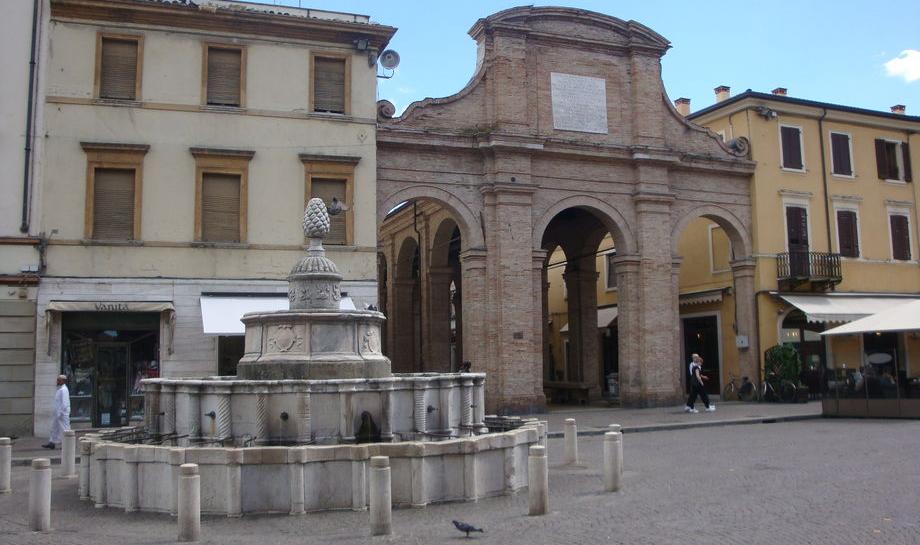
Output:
[[738, 233], [470, 231], [612, 219]]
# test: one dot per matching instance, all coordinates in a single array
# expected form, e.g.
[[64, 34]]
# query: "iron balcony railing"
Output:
[[808, 267]]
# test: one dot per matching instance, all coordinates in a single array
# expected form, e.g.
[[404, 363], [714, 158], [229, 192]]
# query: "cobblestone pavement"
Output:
[[811, 482]]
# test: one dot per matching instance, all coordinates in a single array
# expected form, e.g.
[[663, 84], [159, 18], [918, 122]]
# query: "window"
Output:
[[329, 177], [611, 270], [329, 84], [893, 160], [899, 223], [841, 154], [221, 188], [113, 191], [118, 67], [791, 147], [225, 74], [847, 233]]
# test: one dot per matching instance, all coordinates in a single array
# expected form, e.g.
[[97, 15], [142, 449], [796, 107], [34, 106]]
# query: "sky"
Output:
[[854, 53]]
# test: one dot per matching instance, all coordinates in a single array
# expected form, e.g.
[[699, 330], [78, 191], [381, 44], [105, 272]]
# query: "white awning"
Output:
[[841, 308], [220, 315], [605, 316], [700, 297], [903, 317]]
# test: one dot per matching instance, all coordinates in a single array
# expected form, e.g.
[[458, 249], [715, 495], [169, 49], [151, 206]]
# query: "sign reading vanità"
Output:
[[112, 307], [579, 103]]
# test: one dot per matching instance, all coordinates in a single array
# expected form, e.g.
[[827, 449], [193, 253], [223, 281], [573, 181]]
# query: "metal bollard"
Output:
[[69, 455], [381, 503], [40, 495], [6, 461], [538, 481], [613, 461], [571, 441], [189, 503]]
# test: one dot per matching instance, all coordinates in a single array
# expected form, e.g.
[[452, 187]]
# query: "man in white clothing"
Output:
[[61, 422]]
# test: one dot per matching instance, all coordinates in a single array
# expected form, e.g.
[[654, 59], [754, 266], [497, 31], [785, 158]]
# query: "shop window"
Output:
[[225, 75], [229, 351], [330, 84], [118, 67]]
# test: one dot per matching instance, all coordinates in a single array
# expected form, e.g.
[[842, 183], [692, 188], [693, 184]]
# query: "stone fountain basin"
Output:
[[297, 479]]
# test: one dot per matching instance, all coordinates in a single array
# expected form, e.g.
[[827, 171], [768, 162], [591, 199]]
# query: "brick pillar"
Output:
[[402, 324], [541, 319], [680, 377], [628, 314], [437, 343], [475, 340], [745, 316], [581, 283]]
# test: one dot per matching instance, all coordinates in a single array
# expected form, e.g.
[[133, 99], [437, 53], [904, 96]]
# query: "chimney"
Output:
[[683, 106], [898, 109], [779, 91], [723, 92]]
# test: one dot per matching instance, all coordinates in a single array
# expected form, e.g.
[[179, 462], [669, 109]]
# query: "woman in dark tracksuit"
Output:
[[696, 386]]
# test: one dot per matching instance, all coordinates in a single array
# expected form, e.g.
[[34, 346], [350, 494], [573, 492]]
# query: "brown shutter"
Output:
[[792, 148], [329, 85], [326, 189], [840, 154], [220, 208], [224, 72], [846, 232], [905, 151], [118, 76], [611, 272], [881, 159], [900, 238], [113, 204]]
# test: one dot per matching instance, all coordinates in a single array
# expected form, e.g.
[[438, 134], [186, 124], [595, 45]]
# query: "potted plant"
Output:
[[782, 363]]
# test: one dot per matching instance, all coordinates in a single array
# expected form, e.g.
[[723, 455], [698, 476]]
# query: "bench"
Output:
[[566, 392]]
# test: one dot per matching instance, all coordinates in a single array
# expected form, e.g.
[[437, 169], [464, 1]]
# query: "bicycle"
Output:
[[745, 392], [786, 393]]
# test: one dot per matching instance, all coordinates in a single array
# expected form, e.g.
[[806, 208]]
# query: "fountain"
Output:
[[313, 400]]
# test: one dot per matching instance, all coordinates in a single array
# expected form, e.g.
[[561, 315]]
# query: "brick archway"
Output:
[[511, 150]]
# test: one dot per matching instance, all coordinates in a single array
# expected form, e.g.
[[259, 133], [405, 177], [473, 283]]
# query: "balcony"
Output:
[[808, 271]]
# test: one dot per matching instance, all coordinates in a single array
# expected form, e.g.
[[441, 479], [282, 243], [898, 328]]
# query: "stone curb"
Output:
[[25, 462], [689, 425]]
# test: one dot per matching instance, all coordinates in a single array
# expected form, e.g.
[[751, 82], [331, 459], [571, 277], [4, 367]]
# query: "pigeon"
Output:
[[464, 527]]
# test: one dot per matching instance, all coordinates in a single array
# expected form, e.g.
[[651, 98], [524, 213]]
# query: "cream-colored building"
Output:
[[836, 231], [179, 152], [22, 26]]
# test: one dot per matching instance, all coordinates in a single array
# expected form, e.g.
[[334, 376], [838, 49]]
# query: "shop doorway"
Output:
[[105, 356], [701, 336]]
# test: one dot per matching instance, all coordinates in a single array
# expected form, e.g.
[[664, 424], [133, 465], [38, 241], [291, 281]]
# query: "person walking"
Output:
[[61, 422], [696, 386]]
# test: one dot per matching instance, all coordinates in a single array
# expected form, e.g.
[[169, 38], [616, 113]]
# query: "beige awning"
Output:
[[842, 308], [700, 297], [605, 316], [110, 306], [902, 317]]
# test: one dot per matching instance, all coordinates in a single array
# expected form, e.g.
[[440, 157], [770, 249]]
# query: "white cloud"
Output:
[[905, 65]]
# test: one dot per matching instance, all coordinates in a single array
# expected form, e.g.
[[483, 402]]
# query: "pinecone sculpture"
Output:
[[316, 219]]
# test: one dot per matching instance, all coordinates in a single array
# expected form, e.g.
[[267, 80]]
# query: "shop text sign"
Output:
[[112, 307]]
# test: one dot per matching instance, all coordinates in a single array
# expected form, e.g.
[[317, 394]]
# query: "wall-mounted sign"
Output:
[[579, 103]]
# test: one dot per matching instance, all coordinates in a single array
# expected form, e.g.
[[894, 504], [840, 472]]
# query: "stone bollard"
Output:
[[571, 441], [615, 427], [538, 481], [613, 460], [69, 455], [40, 495], [189, 505], [619, 429], [86, 451], [6, 461], [381, 503]]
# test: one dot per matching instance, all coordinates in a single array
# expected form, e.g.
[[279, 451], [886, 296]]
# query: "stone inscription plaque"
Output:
[[579, 103]]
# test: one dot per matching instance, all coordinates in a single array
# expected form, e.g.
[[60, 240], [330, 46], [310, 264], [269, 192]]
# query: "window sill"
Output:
[[221, 108], [220, 245], [844, 176], [794, 170], [124, 102], [102, 242], [895, 182]]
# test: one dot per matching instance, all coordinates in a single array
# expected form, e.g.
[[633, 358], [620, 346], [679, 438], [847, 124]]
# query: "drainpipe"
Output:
[[27, 162], [827, 197]]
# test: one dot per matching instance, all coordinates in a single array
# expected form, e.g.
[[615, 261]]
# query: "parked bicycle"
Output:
[[774, 389], [746, 391]]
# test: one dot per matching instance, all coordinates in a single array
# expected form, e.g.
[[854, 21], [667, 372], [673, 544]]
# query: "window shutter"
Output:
[[840, 154], [846, 233], [611, 272], [113, 204], [118, 76], [224, 72], [881, 159], [900, 238], [905, 151], [220, 208], [329, 85], [326, 189], [792, 148]]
